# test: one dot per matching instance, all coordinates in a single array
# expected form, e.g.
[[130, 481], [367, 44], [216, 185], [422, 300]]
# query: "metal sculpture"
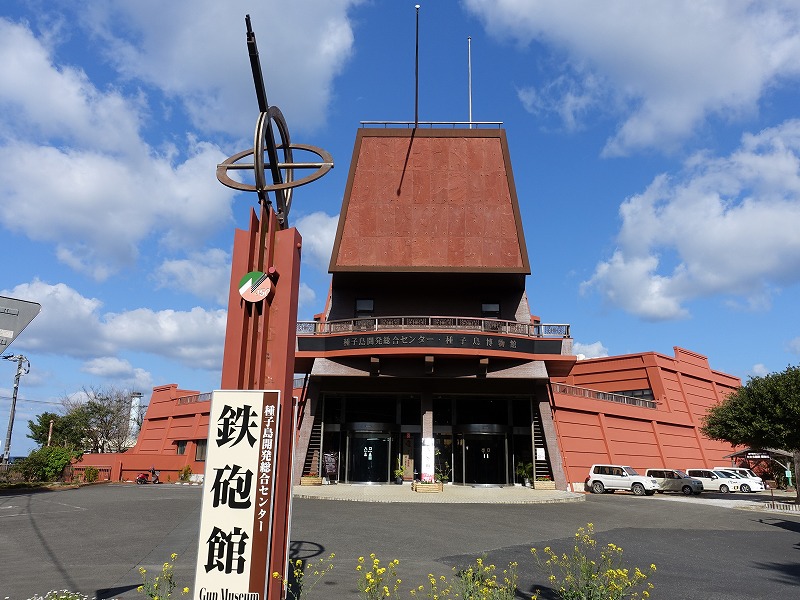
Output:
[[282, 173]]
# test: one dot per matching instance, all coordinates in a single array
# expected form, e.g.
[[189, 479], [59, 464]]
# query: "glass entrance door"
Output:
[[369, 457], [484, 459]]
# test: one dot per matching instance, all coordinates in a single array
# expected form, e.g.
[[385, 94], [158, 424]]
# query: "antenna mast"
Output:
[[469, 76], [416, 75]]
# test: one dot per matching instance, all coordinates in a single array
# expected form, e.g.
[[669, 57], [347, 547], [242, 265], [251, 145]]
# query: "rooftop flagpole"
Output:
[[469, 76], [416, 75]]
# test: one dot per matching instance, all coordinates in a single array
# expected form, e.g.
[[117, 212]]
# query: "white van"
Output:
[[716, 480], [745, 473], [746, 484], [674, 480]]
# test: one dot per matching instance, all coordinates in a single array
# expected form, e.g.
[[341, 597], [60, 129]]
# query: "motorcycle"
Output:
[[143, 478]]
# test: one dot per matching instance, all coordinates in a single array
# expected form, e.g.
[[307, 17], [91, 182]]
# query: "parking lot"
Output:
[[94, 539]]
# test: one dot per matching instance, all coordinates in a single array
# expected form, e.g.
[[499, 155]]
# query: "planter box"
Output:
[[306, 480], [544, 485], [420, 486]]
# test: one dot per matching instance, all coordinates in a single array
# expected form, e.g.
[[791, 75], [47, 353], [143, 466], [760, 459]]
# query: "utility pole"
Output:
[[20, 372]]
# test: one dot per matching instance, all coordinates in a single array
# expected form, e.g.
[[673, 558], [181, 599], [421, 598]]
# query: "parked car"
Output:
[[746, 473], [747, 484], [715, 480], [610, 478], [675, 480]]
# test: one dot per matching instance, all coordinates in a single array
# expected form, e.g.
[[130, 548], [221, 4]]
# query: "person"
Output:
[[153, 474]]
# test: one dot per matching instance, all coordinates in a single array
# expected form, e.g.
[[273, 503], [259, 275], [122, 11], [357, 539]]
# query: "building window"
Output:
[[200, 450], [646, 394], [490, 310], [365, 307], [180, 447]]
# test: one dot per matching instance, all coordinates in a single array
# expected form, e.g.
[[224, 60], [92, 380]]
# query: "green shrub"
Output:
[[46, 464], [592, 572], [185, 474], [480, 580], [162, 585], [91, 474]]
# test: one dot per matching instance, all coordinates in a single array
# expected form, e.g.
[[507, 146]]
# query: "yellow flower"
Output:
[[173, 556], [185, 590]]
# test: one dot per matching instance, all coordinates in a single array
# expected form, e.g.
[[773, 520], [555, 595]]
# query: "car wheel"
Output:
[[638, 489], [724, 489], [687, 490], [744, 488], [598, 487]]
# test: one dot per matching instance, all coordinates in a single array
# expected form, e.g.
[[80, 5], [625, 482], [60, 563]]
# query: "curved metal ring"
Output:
[[283, 181]]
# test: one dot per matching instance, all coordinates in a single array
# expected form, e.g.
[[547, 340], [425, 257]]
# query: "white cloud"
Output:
[[759, 370], [196, 51], [121, 372], [794, 345], [318, 231], [595, 350], [308, 296], [41, 99], [204, 274], [84, 179], [194, 338], [724, 226], [73, 325], [666, 65]]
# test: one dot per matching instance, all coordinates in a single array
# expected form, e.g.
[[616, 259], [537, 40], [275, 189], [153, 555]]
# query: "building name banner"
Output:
[[392, 341], [238, 496]]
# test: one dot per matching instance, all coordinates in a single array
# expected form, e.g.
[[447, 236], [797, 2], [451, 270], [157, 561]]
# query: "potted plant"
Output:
[[544, 482], [399, 471], [525, 472], [311, 478]]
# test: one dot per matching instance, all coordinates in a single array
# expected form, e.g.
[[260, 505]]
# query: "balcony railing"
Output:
[[495, 326], [571, 390]]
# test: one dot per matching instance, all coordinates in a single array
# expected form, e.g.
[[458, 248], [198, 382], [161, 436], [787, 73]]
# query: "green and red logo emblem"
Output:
[[255, 286]]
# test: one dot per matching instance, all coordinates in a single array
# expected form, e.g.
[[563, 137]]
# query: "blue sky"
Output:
[[655, 148]]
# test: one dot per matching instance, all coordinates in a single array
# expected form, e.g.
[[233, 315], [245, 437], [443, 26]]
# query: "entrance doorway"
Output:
[[484, 459], [369, 457]]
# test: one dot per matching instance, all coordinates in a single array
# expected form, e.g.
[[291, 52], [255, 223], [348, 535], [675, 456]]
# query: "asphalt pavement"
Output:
[[711, 547]]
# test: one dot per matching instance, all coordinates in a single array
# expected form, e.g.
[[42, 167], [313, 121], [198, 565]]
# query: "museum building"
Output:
[[427, 338]]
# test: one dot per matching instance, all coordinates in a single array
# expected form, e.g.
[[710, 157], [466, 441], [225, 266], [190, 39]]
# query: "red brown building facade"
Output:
[[427, 342]]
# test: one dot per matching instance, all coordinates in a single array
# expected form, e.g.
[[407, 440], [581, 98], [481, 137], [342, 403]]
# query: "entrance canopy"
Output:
[[767, 454]]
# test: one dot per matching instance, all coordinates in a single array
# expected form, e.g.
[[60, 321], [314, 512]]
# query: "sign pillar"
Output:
[[239, 550]]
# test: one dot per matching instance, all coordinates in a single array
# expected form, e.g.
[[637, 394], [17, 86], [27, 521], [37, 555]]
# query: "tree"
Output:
[[763, 413], [106, 413], [68, 429]]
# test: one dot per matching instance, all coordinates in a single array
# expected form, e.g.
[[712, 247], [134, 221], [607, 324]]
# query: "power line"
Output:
[[31, 401]]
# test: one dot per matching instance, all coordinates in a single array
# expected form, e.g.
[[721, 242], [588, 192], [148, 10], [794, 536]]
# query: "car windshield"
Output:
[[681, 474], [630, 471], [727, 475]]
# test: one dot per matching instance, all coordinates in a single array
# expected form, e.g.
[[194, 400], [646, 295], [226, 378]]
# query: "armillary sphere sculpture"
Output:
[[265, 151]]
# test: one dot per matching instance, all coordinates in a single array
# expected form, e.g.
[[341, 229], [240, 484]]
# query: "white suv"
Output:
[[604, 478]]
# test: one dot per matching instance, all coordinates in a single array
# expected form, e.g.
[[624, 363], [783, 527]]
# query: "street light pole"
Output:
[[20, 372]]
